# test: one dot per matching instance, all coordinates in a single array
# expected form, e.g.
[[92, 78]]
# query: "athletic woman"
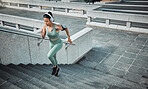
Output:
[[52, 31]]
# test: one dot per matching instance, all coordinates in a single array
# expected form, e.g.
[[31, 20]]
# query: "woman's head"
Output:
[[48, 18]]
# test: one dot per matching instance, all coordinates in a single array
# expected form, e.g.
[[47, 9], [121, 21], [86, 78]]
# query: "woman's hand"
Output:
[[69, 40]]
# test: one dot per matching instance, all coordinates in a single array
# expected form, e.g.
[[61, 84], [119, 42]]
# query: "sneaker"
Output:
[[54, 69], [57, 72]]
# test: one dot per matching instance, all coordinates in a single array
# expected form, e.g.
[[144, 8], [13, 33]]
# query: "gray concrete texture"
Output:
[[74, 24], [119, 53]]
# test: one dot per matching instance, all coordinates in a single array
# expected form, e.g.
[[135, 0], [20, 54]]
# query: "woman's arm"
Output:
[[43, 31], [67, 32], [62, 28]]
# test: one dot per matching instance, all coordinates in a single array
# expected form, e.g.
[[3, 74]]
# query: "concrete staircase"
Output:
[[127, 6], [73, 76]]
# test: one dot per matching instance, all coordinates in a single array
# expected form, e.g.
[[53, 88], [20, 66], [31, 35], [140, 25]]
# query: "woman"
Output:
[[52, 31]]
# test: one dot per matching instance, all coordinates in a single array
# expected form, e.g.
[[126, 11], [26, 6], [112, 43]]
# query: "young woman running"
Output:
[[52, 31]]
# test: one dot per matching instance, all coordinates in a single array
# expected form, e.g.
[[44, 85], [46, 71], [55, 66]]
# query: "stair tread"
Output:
[[66, 79], [8, 85], [36, 80], [108, 79], [16, 81], [71, 76], [2, 81], [49, 78], [60, 80]]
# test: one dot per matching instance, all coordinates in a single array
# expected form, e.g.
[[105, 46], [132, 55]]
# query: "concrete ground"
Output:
[[118, 53]]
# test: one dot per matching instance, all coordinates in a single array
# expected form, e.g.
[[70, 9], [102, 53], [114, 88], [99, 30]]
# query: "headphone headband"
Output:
[[51, 18]]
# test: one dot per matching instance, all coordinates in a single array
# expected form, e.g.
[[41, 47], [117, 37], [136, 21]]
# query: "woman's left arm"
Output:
[[67, 32], [64, 28]]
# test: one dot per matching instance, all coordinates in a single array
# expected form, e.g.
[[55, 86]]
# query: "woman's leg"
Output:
[[52, 53]]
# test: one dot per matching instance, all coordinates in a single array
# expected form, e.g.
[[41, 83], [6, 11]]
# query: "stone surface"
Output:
[[118, 60]]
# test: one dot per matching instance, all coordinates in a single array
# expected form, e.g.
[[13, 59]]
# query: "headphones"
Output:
[[51, 18]]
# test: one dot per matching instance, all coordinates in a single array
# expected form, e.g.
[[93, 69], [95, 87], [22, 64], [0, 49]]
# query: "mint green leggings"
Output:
[[55, 47]]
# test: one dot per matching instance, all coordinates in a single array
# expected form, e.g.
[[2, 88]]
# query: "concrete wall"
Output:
[[17, 48]]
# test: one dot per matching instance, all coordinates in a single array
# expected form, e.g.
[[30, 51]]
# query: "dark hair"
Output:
[[47, 16]]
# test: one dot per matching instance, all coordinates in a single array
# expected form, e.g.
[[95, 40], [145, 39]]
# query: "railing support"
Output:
[[18, 5], [83, 12], [9, 3], [89, 19], [40, 7], [35, 30], [66, 10], [18, 26], [107, 21], [128, 24], [29, 6], [53, 8], [2, 23]]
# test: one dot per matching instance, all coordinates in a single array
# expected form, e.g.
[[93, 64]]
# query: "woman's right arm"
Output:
[[43, 31]]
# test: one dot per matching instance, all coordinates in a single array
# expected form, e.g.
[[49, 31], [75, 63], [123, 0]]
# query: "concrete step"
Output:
[[98, 77], [27, 78], [71, 80], [16, 81], [7, 85], [86, 78], [111, 79], [47, 77], [77, 79], [33, 74], [63, 78], [60, 81]]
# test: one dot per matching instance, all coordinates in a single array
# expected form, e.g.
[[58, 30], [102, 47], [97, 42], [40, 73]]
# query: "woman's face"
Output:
[[47, 21]]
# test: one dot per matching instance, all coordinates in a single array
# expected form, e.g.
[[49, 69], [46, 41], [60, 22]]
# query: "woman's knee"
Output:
[[49, 56]]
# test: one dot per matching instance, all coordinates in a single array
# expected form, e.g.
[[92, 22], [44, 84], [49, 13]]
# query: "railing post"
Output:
[[89, 19], [40, 7], [9, 3], [29, 6], [35, 30], [107, 21], [83, 12], [18, 26], [66, 10], [128, 24], [18, 5], [2, 23], [52, 8]]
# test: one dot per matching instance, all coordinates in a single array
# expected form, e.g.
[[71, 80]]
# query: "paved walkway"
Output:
[[118, 53]]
